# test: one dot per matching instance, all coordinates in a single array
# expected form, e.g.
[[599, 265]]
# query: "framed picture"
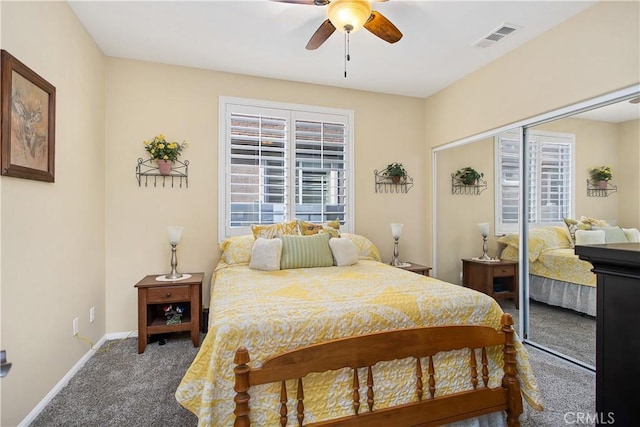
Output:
[[27, 128]]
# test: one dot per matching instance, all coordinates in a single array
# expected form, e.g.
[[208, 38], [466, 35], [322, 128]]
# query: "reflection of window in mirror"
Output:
[[550, 183]]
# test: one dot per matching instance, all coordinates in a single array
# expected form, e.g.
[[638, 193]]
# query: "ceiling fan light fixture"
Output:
[[349, 15]]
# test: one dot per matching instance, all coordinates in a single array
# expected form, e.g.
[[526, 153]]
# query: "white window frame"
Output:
[[225, 104], [533, 134]]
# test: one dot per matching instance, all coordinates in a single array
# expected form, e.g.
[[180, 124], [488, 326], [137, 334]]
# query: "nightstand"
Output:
[[417, 268], [498, 279], [153, 295]]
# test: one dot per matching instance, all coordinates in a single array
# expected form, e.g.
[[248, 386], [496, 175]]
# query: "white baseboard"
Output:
[[65, 380]]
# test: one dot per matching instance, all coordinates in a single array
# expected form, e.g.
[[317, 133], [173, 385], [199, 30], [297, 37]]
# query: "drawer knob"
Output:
[[168, 294]]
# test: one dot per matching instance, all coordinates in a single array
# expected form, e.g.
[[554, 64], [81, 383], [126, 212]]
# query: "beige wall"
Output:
[[53, 234], [590, 54], [458, 214], [145, 99], [629, 182]]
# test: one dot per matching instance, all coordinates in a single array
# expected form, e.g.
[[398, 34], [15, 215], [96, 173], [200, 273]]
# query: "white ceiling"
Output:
[[267, 38]]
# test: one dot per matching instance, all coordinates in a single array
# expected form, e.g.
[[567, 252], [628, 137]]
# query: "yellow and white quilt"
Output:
[[270, 312]]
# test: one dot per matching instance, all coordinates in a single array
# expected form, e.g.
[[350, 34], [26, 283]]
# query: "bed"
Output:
[[270, 312], [556, 275]]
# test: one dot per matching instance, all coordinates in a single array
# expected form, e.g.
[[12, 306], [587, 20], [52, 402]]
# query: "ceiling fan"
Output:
[[349, 16]]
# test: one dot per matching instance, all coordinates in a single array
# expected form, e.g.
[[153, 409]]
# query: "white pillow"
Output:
[[590, 237], [633, 234], [266, 254], [344, 251]]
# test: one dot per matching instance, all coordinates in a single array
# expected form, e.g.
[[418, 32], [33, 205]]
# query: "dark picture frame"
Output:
[[27, 126]]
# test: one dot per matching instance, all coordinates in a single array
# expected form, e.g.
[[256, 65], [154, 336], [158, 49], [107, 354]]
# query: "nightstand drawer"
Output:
[[168, 294], [504, 271]]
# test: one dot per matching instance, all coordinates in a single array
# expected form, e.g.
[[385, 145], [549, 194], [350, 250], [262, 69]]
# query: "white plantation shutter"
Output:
[[509, 181], [321, 170], [257, 170], [549, 181], [283, 163]]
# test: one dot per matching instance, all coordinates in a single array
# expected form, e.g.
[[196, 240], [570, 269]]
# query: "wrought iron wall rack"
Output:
[[594, 189], [147, 172], [459, 187], [385, 184]]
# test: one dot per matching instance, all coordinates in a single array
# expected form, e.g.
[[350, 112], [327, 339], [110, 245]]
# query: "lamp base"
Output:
[[165, 278]]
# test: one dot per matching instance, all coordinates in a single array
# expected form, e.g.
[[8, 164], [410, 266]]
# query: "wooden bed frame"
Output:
[[366, 350]]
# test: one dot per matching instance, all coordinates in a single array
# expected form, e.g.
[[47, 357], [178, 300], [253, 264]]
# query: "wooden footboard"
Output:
[[366, 350]]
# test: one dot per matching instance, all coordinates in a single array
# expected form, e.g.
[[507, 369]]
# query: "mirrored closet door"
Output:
[[561, 160]]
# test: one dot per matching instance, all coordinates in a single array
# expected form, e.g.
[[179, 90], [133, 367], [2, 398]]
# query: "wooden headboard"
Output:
[[366, 350]]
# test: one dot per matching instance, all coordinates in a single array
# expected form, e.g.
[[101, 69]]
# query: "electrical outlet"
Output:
[[75, 326], [92, 314]]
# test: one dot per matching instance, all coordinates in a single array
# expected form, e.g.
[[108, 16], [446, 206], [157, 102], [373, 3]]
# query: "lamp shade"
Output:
[[174, 234], [484, 228], [396, 230], [348, 15]]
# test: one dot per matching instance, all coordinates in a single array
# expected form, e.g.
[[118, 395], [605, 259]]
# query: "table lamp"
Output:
[[396, 231], [484, 231], [174, 238]]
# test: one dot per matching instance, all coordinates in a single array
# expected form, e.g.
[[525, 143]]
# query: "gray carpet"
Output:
[[118, 387], [560, 329]]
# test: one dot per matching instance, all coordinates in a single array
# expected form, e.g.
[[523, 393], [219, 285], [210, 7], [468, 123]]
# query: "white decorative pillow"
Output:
[[266, 254], [344, 251], [590, 237], [613, 234], [633, 234]]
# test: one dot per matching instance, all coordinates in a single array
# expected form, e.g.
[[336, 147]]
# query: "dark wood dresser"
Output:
[[617, 337]]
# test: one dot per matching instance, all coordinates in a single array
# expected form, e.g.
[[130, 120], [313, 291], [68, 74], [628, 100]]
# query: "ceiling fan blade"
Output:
[[309, 2], [321, 35], [382, 27]]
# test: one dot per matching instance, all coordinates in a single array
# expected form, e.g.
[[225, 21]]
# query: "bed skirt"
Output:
[[576, 297]]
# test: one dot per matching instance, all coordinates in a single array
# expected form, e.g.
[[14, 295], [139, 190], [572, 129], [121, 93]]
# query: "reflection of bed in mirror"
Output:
[[556, 275]]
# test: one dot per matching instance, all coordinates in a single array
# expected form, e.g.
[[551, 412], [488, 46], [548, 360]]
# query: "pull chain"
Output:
[[347, 55]]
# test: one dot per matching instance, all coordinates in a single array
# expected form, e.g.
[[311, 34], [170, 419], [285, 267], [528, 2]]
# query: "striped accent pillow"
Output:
[[305, 251]]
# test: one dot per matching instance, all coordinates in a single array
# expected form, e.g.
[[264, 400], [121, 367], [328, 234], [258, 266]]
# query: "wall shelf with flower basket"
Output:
[[147, 172], [390, 184], [163, 163], [596, 188]]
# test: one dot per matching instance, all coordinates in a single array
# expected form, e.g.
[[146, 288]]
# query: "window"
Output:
[[280, 161], [550, 179]]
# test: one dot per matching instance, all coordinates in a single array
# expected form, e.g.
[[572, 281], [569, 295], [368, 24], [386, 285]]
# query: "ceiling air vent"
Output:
[[496, 35]]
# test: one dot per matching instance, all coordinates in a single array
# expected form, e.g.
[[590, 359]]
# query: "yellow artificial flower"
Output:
[[160, 148]]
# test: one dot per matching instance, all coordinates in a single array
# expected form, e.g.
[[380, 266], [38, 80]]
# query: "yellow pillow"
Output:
[[335, 224], [237, 249], [269, 231], [366, 248], [310, 228], [541, 239], [513, 241]]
